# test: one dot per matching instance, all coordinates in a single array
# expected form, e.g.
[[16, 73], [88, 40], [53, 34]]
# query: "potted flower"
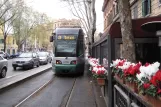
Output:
[[149, 81], [100, 73]]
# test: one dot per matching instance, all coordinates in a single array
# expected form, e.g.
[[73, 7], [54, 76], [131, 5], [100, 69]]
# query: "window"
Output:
[[135, 12], [115, 6], [146, 7], [1, 41]]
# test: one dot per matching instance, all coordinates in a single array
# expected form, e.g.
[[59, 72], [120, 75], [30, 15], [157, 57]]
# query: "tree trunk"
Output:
[[4, 45], [126, 30], [5, 36]]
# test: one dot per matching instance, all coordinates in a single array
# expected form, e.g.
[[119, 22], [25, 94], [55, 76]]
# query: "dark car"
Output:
[[15, 55], [26, 60], [44, 57], [3, 67]]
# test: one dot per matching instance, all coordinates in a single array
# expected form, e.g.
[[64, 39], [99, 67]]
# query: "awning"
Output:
[[138, 32]]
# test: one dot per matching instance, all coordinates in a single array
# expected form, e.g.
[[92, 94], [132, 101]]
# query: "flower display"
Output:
[[98, 70], [148, 70], [93, 61], [148, 76]]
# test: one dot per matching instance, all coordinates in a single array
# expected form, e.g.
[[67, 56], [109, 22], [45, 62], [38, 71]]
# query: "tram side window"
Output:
[[80, 48]]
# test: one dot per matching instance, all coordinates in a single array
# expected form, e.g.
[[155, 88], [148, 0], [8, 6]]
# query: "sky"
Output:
[[57, 9]]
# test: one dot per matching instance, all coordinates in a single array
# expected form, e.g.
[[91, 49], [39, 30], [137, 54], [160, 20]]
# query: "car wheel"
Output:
[[14, 68], [3, 73]]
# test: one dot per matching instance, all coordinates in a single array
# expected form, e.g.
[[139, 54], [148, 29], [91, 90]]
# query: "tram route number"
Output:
[[70, 37]]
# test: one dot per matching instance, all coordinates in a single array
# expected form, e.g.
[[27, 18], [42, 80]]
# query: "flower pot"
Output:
[[101, 81], [133, 86], [153, 101], [122, 80]]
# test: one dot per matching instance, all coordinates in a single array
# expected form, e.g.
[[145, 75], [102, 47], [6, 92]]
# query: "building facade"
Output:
[[11, 46], [66, 23]]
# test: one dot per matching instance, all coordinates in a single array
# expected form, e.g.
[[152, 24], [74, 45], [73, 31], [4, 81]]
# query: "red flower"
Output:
[[121, 63], [147, 64], [135, 69], [146, 85], [159, 91], [158, 75], [154, 80]]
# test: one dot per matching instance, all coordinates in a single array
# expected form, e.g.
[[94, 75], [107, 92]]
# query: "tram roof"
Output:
[[67, 30]]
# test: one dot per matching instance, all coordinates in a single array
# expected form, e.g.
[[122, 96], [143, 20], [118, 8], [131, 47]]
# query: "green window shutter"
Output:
[[149, 6], [143, 8]]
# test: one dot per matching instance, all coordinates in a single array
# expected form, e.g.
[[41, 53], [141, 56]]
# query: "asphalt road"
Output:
[[13, 95], [64, 92], [19, 70]]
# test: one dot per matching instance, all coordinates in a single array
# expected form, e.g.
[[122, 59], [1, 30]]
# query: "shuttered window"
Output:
[[146, 7]]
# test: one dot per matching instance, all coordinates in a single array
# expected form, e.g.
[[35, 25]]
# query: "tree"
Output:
[[42, 31], [7, 17], [126, 30], [85, 11]]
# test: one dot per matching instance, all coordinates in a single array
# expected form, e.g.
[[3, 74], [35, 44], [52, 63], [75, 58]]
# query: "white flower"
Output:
[[115, 63], [126, 65], [95, 69], [140, 76], [150, 70]]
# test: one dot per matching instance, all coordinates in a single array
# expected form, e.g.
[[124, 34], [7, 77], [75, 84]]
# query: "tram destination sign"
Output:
[[66, 37]]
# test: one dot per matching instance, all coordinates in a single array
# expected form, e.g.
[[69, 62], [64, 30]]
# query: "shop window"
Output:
[[146, 7], [147, 52]]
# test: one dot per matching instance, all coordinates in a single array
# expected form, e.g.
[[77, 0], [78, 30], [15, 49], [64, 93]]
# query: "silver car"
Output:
[[26, 60], [3, 67], [44, 57]]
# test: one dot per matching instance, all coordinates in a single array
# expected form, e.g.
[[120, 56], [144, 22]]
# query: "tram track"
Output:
[[63, 95], [70, 95], [38, 90], [35, 92]]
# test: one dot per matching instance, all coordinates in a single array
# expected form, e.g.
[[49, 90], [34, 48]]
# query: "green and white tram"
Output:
[[68, 51]]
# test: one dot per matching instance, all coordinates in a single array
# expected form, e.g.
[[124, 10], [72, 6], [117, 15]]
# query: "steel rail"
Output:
[[34, 93]]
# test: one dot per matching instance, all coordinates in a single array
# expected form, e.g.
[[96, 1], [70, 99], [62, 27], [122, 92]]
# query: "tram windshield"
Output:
[[66, 48]]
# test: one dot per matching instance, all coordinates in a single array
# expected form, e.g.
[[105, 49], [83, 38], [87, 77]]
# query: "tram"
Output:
[[68, 49]]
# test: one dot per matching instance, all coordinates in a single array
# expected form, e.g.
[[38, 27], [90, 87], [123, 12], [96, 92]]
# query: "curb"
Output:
[[9, 82]]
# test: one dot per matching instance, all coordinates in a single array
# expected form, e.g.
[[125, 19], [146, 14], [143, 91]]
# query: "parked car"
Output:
[[3, 67], [26, 60], [4, 55], [15, 55], [44, 57]]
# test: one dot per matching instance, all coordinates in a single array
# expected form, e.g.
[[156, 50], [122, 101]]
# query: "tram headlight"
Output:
[[58, 62], [73, 62]]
